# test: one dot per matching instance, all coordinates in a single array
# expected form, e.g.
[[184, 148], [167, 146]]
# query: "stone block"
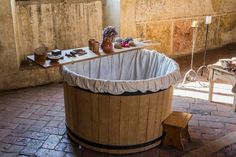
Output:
[[55, 113], [153, 10], [21, 128], [168, 9], [16, 140], [54, 123], [212, 6], [141, 30], [223, 108], [223, 113], [50, 130], [211, 124], [227, 28], [61, 146], [186, 8], [6, 125], [70, 155], [213, 34], [127, 21], [180, 104], [29, 77], [23, 121], [52, 141], [35, 144], [48, 153], [15, 149], [29, 151], [37, 126], [228, 6], [193, 122], [32, 135], [4, 133], [160, 32], [141, 8], [182, 36], [41, 117], [203, 107]]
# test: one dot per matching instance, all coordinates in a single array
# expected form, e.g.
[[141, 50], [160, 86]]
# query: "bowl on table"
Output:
[[54, 58]]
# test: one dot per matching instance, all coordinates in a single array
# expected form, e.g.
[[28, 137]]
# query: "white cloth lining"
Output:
[[138, 70]]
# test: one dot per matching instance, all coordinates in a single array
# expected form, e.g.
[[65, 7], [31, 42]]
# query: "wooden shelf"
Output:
[[90, 55]]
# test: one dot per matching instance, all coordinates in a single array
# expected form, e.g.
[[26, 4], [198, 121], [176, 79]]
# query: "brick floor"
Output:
[[227, 151], [37, 127], [32, 124]]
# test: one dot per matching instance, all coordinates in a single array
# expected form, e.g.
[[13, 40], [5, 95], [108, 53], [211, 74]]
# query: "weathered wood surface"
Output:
[[116, 120]]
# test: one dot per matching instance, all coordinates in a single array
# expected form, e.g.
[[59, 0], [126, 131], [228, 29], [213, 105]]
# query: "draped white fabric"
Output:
[[134, 71]]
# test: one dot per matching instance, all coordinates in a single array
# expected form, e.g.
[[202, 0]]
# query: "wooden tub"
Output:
[[116, 124], [116, 104]]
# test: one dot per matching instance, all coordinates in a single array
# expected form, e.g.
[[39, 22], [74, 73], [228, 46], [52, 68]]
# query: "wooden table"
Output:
[[217, 72], [88, 56]]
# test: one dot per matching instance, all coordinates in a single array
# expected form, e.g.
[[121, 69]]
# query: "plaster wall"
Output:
[[59, 24], [25, 25], [64, 24], [169, 22], [7, 40]]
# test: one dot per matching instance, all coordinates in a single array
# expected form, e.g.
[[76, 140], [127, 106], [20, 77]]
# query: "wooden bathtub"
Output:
[[116, 104], [116, 124]]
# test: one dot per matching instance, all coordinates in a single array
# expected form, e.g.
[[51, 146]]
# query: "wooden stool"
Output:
[[176, 128]]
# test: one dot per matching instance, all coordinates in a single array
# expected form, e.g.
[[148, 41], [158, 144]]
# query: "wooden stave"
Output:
[[104, 133]]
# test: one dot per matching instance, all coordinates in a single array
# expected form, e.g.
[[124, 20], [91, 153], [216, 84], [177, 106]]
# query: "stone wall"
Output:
[[25, 24], [169, 22], [62, 24]]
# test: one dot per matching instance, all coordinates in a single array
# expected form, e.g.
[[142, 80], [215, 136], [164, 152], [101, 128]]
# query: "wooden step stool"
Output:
[[176, 128]]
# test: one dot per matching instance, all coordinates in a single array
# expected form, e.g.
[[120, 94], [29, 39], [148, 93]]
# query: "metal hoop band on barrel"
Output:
[[113, 147], [126, 93]]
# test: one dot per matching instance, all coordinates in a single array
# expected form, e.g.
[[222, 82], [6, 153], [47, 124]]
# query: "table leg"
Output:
[[211, 85], [234, 102], [234, 99]]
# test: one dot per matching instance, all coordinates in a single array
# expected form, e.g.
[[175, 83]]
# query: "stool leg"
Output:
[[234, 102], [173, 137], [179, 141], [186, 133]]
